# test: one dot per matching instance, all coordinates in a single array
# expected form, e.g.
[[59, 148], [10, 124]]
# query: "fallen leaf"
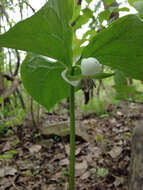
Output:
[[7, 171], [119, 181], [4, 183], [80, 168], [119, 113], [64, 162], [77, 151], [96, 151], [115, 152], [35, 148], [85, 175], [52, 187]]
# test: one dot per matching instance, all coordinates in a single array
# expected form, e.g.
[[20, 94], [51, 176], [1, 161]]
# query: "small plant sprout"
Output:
[[102, 172], [90, 67]]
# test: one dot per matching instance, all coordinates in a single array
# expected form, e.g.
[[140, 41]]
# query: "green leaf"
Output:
[[8, 155], [90, 33], [76, 12], [131, 2], [116, 9], [88, 1], [109, 2], [77, 47], [47, 32], [43, 80], [102, 75], [88, 12], [126, 92], [82, 19], [102, 172], [138, 5], [97, 76], [119, 78], [104, 15], [120, 46], [98, 5]]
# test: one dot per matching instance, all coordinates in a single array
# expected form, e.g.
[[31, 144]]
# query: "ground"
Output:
[[31, 161]]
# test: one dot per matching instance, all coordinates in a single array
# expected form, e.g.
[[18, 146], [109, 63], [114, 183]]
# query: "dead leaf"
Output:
[[26, 164], [52, 187], [119, 181], [113, 121], [4, 183], [35, 148], [67, 148], [80, 168], [85, 175], [64, 162], [56, 176], [7, 171], [77, 151], [115, 152], [119, 113], [7, 146], [96, 151], [89, 158], [93, 171]]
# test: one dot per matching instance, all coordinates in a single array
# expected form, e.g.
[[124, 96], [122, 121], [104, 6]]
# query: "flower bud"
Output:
[[90, 66]]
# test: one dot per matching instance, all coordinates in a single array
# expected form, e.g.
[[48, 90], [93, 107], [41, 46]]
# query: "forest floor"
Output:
[[31, 161]]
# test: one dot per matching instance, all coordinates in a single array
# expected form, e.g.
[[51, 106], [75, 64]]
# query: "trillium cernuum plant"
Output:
[[49, 34]]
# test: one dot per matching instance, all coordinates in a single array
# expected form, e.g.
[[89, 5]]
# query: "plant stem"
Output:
[[72, 138]]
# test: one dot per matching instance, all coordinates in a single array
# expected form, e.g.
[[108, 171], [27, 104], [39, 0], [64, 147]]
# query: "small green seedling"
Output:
[[8, 155], [15, 143], [65, 172], [57, 138], [27, 173], [127, 135], [102, 172], [100, 139], [37, 135]]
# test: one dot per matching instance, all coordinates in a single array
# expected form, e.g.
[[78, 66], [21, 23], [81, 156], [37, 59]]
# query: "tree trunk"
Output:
[[136, 172]]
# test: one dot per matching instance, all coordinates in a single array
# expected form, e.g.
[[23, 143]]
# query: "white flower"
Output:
[[139, 6], [90, 66]]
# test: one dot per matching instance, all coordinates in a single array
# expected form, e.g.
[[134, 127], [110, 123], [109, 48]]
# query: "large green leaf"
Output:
[[131, 2], [43, 80], [120, 46], [47, 32], [120, 78]]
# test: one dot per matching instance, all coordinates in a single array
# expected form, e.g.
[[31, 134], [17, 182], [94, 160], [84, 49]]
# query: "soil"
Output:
[[34, 161]]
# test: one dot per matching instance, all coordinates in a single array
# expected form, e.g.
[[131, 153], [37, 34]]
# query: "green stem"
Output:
[[72, 138]]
